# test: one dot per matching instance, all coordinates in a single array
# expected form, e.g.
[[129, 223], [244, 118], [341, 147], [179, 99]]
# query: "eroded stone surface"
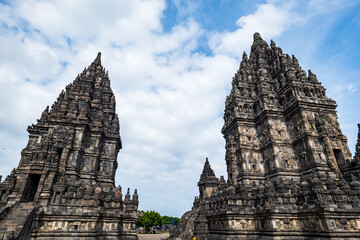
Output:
[[64, 184], [290, 172]]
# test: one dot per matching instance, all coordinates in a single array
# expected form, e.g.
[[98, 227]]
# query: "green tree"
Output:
[[150, 219], [171, 220]]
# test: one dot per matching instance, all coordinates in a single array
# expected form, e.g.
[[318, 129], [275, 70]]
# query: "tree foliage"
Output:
[[150, 219], [171, 220]]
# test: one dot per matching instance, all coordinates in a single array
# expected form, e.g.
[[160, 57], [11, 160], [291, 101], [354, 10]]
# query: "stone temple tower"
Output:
[[290, 172], [63, 187], [279, 122], [208, 181]]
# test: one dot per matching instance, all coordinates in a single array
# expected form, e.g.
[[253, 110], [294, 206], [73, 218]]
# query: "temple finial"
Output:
[[312, 77], [272, 44], [207, 170], [244, 56], [357, 146], [257, 36], [98, 57], [97, 60]]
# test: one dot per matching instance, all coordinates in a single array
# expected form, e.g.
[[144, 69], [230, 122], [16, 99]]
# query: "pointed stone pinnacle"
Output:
[[257, 36], [357, 146], [207, 170], [272, 44], [244, 56], [97, 60], [259, 45], [98, 57]]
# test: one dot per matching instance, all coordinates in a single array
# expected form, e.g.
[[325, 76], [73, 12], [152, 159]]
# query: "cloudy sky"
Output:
[[171, 64]]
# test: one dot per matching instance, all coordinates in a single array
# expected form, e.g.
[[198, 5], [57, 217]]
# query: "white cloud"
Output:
[[352, 88], [269, 19], [186, 7], [93, 19], [317, 7], [341, 90]]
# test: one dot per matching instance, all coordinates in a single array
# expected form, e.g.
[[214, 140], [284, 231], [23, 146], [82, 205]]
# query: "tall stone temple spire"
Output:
[[64, 184], [290, 172], [208, 181], [279, 121]]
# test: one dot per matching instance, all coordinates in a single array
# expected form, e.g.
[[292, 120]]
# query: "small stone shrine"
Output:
[[63, 187], [290, 172]]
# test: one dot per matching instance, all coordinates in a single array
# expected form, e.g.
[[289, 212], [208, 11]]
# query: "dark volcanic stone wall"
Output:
[[64, 185], [290, 172]]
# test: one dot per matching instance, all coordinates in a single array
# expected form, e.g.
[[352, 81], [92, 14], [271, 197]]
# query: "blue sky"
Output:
[[171, 64]]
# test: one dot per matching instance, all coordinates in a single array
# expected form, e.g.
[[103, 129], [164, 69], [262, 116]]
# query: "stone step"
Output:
[[16, 218]]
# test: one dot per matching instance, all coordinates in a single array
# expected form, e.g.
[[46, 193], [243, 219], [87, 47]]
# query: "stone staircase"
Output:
[[18, 220]]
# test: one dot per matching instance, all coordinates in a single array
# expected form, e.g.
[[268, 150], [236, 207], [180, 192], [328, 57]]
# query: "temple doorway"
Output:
[[30, 189]]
